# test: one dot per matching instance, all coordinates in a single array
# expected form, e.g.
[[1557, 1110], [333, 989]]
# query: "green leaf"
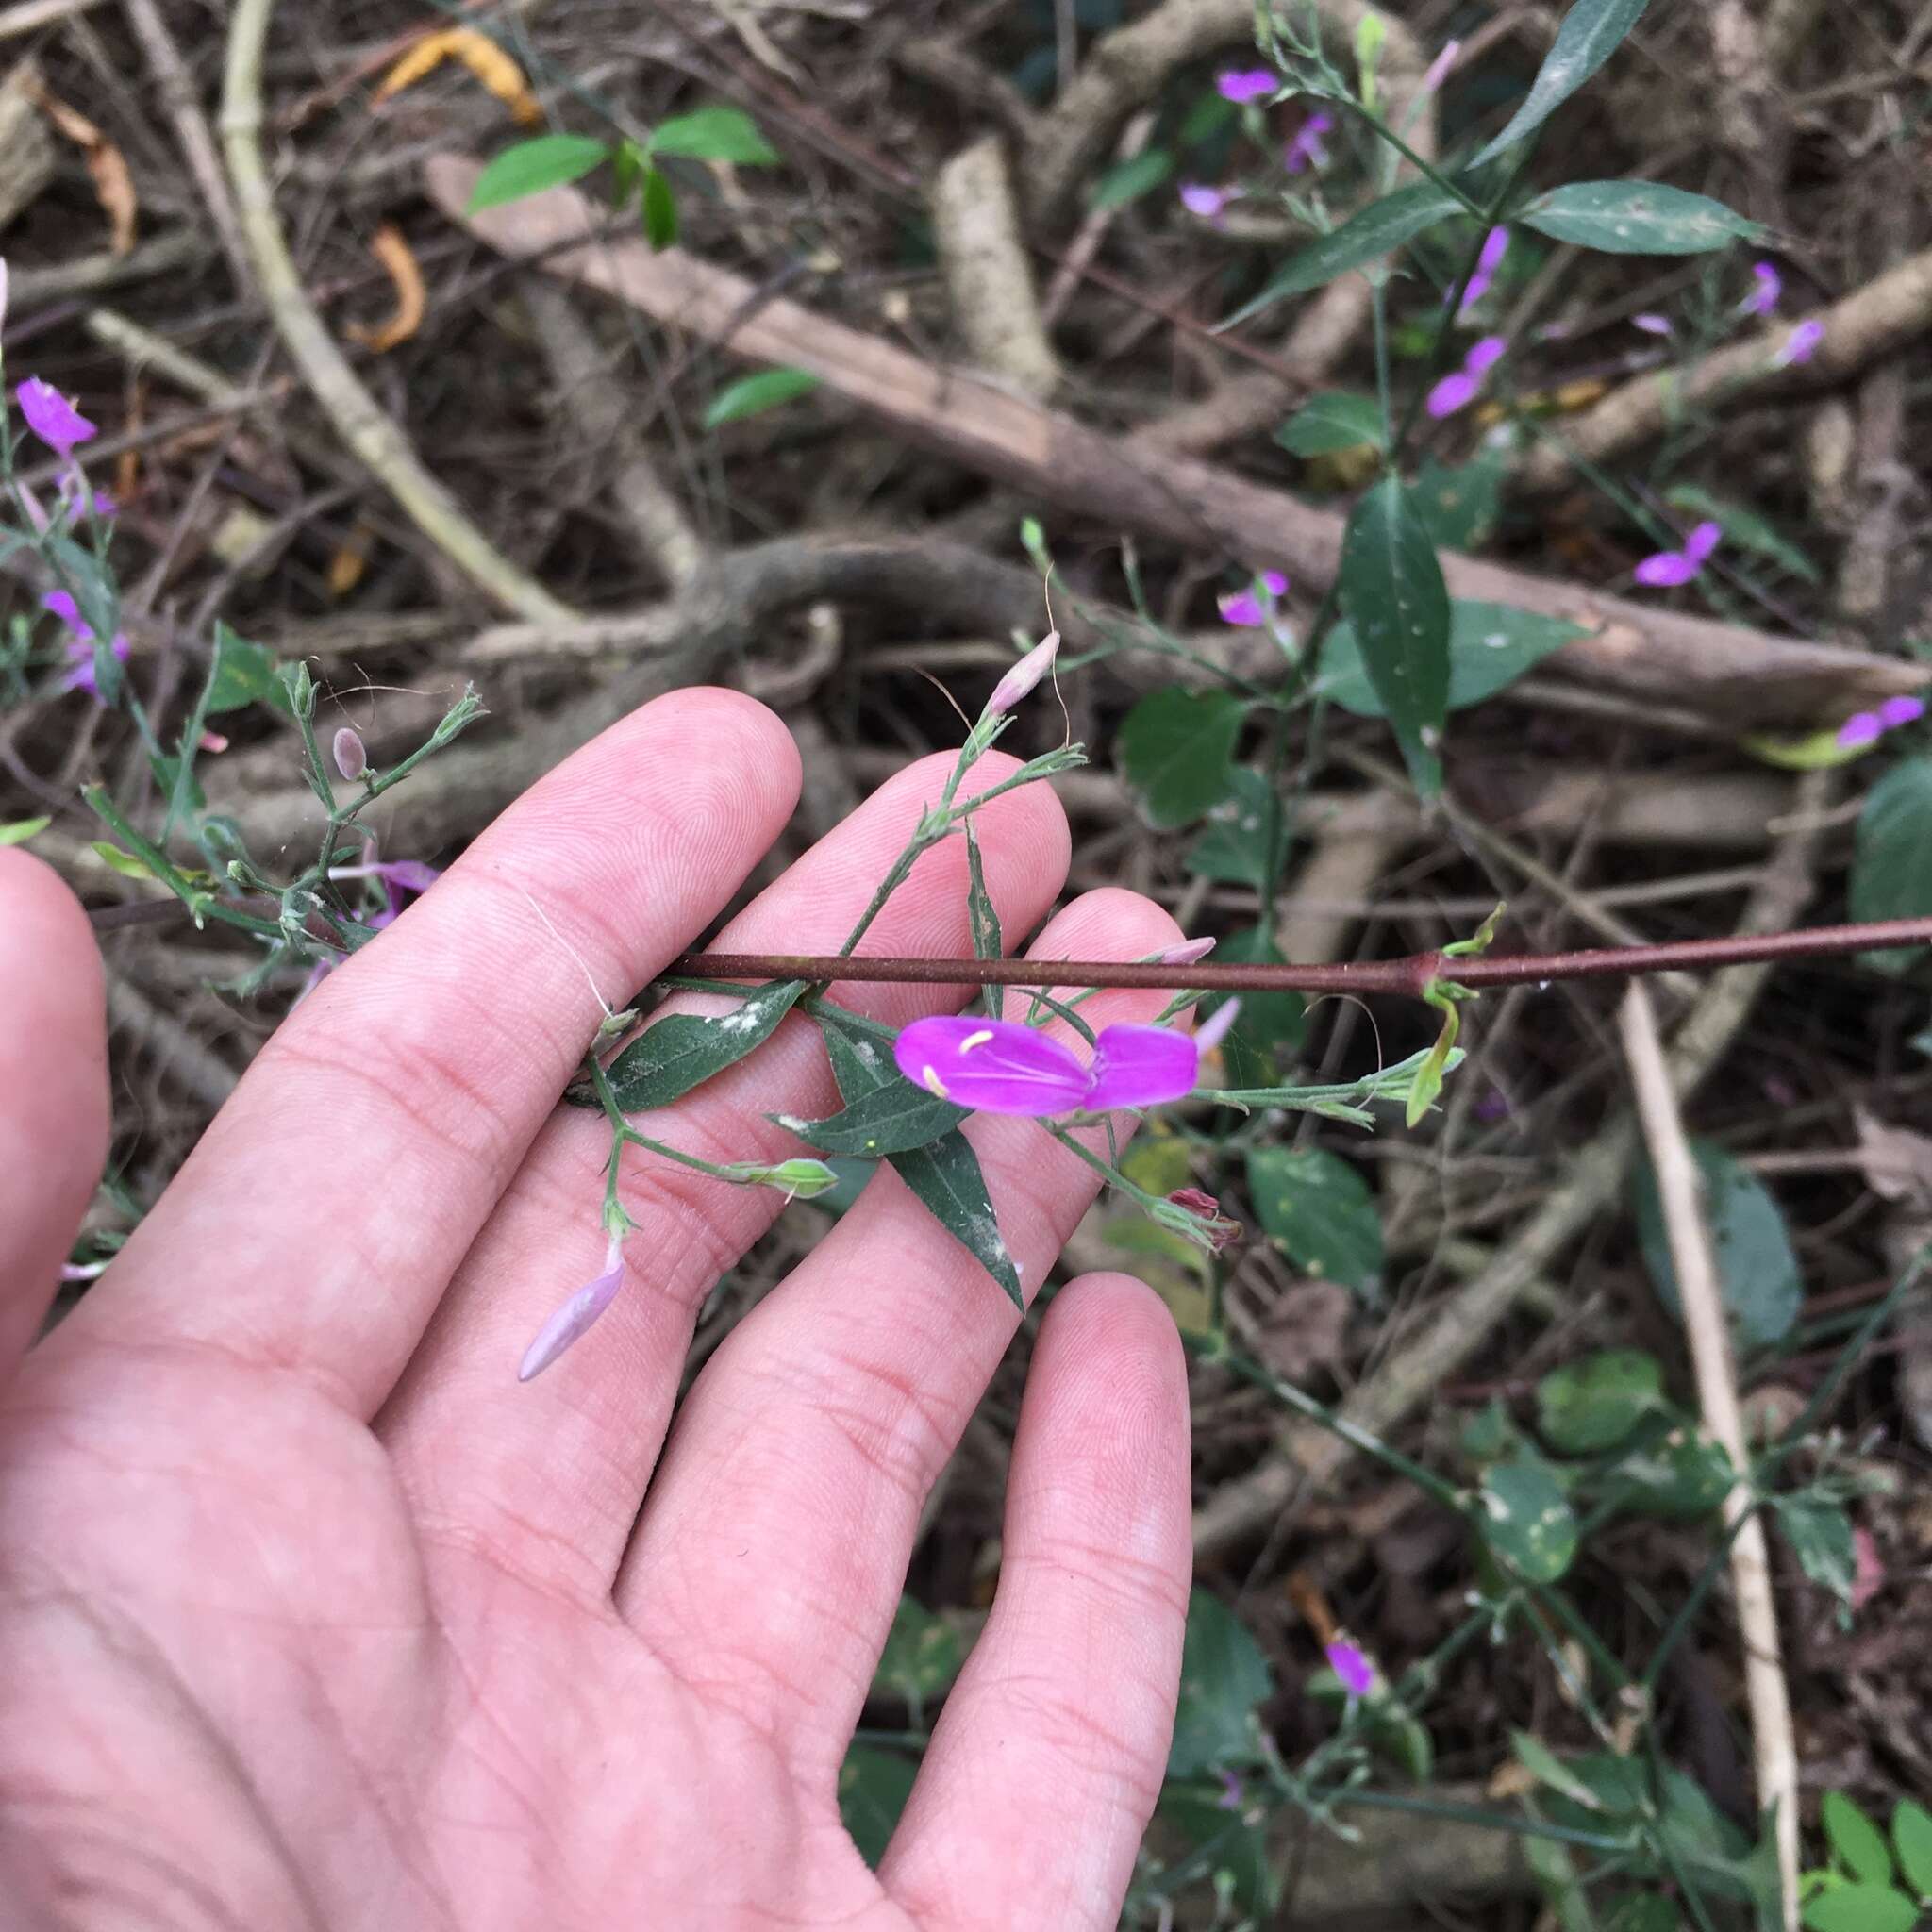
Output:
[[1334, 419], [1176, 749], [1267, 1021], [1592, 1405], [922, 1656], [1860, 1909], [1820, 1534], [659, 209], [751, 395], [1591, 31], [1491, 646], [943, 1174], [1758, 1273], [1131, 179], [1459, 503], [1228, 1844], [1674, 1471], [549, 161], [873, 1786], [1891, 876], [1527, 1518], [1548, 1769], [1911, 1839], [1744, 527], [1366, 236], [1392, 593], [1224, 1680], [125, 863], [1318, 1209], [889, 1120], [1241, 829], [1636, 218], [245, 673], [1856, 1841], [20, 830], [714, 134], [685, 1051]]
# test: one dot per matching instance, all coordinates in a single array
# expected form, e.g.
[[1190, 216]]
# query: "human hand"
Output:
[[313, 1616]]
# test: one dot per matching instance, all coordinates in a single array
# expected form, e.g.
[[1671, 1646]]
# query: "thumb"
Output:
[[53, 1090]]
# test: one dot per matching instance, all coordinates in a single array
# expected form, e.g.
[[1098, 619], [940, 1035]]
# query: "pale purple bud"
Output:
[[1484, 354], [1230, 1798], [1247, 84], [1356, 1673], [575, 1318], [351, 754], [1440, 66], [1189, 953], [1801, 344], [1763, 299], [1653, 325], [1862, 729], [1307, 149], [1199, 199], [1667, 569], [52, 417], [1896, 711], [1452, 393], [1216, 1027], [1702, 540], [1023, 675]]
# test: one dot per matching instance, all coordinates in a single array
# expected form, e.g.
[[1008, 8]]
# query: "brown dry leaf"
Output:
[[1307, 1329], [491, 66], [106, 163], [393, 253], [350, 559]]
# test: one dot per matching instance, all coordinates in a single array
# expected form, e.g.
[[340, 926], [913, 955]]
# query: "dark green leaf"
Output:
[[943, 1174], [664, 1064], [1366, 236], [1892, 877], [244, 675], [549, 161], [1333, 420], [1318, 1209], [1224, 1680], [889, 1120], [1226, 1842], [1393, 596], [873, 1786], [922, 1656], [1636, 218], [1643, 1911], [1860, 1909], [1758, 1273], [1459, 503], [1592, 1405], [1744, 527], [1674, 1471], [659, 210], [1528, 1521], [1857, 1843], [1240, 830], [1820, 1534], [1911, 1839], [1548, 1769], [751, 395], [1129, 180], [714, 134], [1591, 31], [1176, 746], [1491, 646]]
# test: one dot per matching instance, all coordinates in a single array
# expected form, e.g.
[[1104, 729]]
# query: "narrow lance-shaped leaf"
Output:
[[1636, 218], [889, 1120], [751, 395], [1334, 419], [531, 166], [1393, 596], [1591, 31], [984, 916], [685, 1051], [1890, 878]]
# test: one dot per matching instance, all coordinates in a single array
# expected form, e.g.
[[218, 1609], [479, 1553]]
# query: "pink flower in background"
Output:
[[1217, 1230], [1247, 84], [1216, 1027], [80, 648], [999, 1066], [1801, 344], [1865, 727], [1763, 298], [1356, 1673], [1247, 608], [1495, 246], [1305, 150], [1653, 325], [572, 1320], [52, 417], [1199, 199], [402, 879], [1669, 567], [1868, 1571], [1896, 711], [1457, 391], [1440, 66], [1230, 1798]]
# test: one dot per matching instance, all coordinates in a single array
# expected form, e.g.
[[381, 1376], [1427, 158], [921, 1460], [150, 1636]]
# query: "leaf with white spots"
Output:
[[1636, 218], [668, 1060], [1591, 31], [1527, 1520], [1491, 646], [1320, 1212], [889, 1120], [1820, 1534], [1592, 1405]]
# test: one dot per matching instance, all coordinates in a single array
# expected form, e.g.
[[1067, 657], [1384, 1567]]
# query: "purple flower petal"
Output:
[[1478, 288], [1440, 66], [1653, 325], [1189, 953], [1199, 199], [1702, 540], [1276, 583], [1860, 728], [61, 603], [1230, 1798], [1023, 675], [997, 1066], [569, 1323], [1668, 567], [1801, 343], [1763, 299], [80, 677], [1896, 711], [1452, 393], [1141, 1066], [1484, 354], [1216, 1027], [1247, 84], [51, 416], [1307, 149], [1242, 607], [1495, 246], [1356, 1673]]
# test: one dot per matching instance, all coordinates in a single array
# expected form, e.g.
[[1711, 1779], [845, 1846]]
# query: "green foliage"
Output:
[[528, 167], [1224, 1680], [1316, 1209], [715, 133], [1393, 596], [1527, 1518], [1267, 1023], [922, 1656], [1673, 1469], [1459, 503], [1131, 179], [1857, 1843], [1891, 878], [1743, 528], [659, 209], [1636, 218], [1592, 1405], [245, 673], [752, 395], [1820, 1534], [1758, 1273], [679, 1053], [1911, 1839], [1591, 31], [889, 1120], [1241, 829], [1491, 646], [20, 830], [1176, 751], [1331, 421], [873, 1786], [1860, 1909]]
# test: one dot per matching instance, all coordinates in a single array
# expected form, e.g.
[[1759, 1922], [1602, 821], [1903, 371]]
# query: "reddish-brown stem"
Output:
[[1411, 976]]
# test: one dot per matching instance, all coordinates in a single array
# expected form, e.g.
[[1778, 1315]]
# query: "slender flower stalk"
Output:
[[1440, 66]]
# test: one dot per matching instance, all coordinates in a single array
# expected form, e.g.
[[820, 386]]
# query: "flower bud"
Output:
[[1023, 675], [1209, 1226], [1216, 1027], [351, 755], [800, 1179], [1189, 953]]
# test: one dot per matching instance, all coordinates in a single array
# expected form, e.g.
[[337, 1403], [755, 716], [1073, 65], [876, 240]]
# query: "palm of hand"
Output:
[[314, 1616]]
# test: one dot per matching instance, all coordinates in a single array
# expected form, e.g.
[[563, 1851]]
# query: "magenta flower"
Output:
[[1896, 711], [1250, 607], [1763, 299], [1022, 677], [1356, 1673], [1305, 150], [1669, 567], [397, 875], [52, 417], [1457, 391], [1801, 344], [1653, 325], [999, 1066], [1247, 84], [1440, 66], [1230, 1798], [575, 1318], [1199, 199], [1864, 728], [80, 648], [1495, 246]]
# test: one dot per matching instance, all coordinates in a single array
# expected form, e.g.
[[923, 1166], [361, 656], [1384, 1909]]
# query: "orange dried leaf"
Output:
[[393, 253], [345, 567], [491, 66], [105, 164]]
